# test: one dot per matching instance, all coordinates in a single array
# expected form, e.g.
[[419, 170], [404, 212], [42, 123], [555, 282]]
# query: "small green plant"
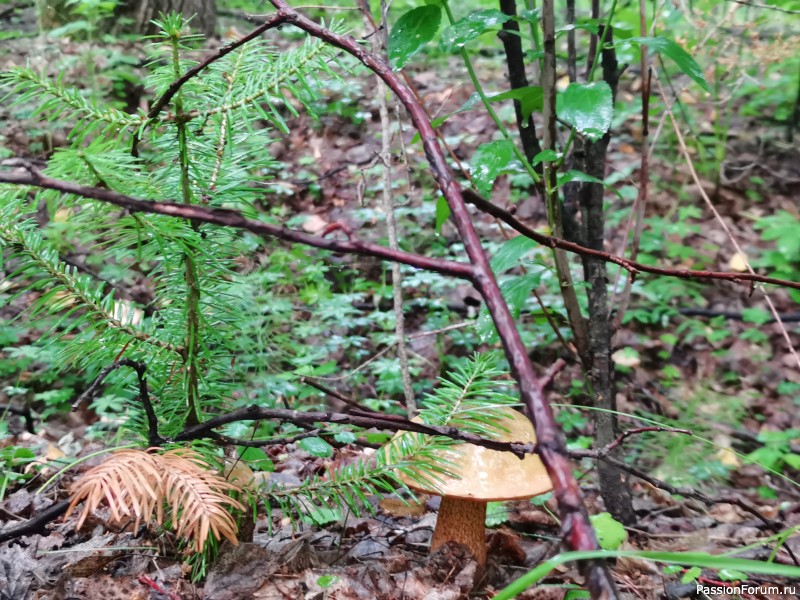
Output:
[[12, 459], [776, 453]]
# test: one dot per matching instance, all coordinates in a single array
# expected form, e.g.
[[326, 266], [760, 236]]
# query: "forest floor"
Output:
[[384, 555]]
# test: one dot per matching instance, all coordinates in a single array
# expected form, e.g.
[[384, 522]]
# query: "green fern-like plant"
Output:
[[469, 399]]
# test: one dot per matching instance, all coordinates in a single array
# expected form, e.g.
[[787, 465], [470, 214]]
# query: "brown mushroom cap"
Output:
[[477, 476], [485, 475]]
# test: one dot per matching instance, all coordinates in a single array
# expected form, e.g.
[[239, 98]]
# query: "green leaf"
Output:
[[610, 532], [257, 459], [541, 500], [345, 437], [496, 514], [580, 176], [516, 292], [510, 252], [377, 437], [321, 515], [411, 32], [442, 213], [546, 155], [732, 575], [532, 16], [326, 581], [756, 315], [488, 162], [316, 447], [588, 107], [457, 35], [575, 175], [691, 575], [677, 54], [793, 460], [530, 99]]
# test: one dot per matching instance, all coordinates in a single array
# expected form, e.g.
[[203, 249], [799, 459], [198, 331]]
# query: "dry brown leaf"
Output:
[[738, 262]]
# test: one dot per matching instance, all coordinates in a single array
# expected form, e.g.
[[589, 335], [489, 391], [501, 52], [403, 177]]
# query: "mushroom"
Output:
[[480, 475]]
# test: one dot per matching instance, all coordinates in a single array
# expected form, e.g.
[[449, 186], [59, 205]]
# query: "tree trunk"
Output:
[[590, 158]]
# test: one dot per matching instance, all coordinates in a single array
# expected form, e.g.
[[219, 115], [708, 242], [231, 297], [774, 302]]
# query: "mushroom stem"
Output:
[[462, 521]]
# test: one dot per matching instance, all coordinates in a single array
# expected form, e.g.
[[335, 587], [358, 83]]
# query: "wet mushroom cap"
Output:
[[476, 476], [485, 475]]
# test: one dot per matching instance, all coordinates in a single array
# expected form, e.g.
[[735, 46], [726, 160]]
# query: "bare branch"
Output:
[[366, 420], [633, 267], [232, 218]]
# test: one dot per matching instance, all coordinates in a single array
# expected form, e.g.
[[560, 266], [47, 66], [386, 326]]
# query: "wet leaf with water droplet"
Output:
[[455, 37]]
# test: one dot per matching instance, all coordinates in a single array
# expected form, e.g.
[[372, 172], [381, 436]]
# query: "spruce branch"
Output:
[[76, 290], [28, 85], [146, 486]]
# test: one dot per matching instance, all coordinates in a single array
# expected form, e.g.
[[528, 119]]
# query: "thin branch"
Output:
[[686, 492], [633, 267], [154, 439], [391, 227], [388, 422], [35, 524], [232, 218], [606, 450], [787, 11]]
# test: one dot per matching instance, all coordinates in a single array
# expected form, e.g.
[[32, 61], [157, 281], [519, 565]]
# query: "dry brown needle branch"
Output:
[[144, 486]]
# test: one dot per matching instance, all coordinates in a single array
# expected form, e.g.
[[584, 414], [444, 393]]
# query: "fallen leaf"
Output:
[[738, 262]]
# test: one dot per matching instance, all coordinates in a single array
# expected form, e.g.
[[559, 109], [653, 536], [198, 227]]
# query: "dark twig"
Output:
[[154, 439], [232, 218], [24, 412], [35, 524], [605, 450], [295, 438], [517, 78], [257, 413], [547, 379], [577, 530], [278, 441], [686, 492]]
